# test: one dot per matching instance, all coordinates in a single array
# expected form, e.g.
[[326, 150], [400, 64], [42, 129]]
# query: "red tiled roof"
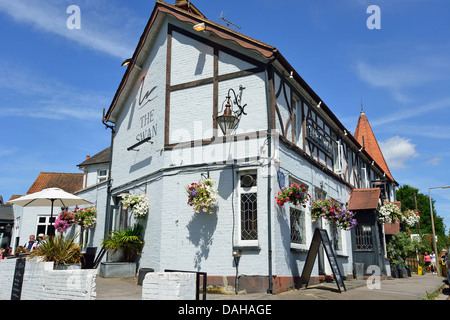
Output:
[[364, 199], [15, 196], [69, 182], [365, 136]]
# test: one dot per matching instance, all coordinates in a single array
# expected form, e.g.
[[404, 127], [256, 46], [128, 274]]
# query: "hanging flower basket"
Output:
[[64, 220], [85, 217], [295, 194], [334, 213], [389, 213], [411, 217], [138, 204], [202, 196]]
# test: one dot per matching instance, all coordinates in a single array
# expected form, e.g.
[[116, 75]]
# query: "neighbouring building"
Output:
[[6, 223], [167, 134], [36, 220], [96, 169]]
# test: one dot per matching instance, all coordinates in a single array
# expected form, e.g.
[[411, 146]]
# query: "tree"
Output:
[[405, 194]]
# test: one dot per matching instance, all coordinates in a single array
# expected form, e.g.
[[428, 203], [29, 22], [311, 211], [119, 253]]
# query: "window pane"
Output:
[[40, 229], [297, 226], [41, 219], [363, 237], [249, 221]]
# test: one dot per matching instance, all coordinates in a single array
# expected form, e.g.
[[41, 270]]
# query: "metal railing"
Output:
[[413, 263], [197, 286]]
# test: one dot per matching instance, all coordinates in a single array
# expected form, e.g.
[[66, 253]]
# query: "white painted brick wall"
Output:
[[169, 286], [41, 282]]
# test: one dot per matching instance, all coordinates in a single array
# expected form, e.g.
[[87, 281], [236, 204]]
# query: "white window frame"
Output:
[[298, 120], [47, 223], [339, 158], [294, 245], [100, 177], [242, 190]]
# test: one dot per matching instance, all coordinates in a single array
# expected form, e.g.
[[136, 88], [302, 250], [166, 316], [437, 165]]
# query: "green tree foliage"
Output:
[[405, 194]]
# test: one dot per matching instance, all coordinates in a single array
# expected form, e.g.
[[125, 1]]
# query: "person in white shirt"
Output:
[[31, 244], [433, 262]]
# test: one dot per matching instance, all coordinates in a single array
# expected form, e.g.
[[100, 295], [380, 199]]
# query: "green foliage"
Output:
[[60, 249], [405, 194], [129, 241], [401, 247]]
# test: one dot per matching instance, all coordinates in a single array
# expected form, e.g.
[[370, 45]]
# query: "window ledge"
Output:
[[299, 248], [247, 247]]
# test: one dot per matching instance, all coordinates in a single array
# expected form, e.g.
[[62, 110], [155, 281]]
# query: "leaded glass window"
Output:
[[249, 216], [297, 217], [363, 238]]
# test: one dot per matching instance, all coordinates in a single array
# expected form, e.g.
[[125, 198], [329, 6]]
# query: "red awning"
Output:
[[364, 199]]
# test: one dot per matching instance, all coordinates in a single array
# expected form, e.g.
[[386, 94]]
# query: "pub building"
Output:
[[200, 100]]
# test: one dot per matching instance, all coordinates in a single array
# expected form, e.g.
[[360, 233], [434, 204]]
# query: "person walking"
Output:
[[427, 260], [433, 262]]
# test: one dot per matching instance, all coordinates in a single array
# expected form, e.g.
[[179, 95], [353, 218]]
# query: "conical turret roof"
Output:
[[365, 136]]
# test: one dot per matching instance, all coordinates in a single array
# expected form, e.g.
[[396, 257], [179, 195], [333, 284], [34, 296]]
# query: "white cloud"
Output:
[[397, 151], [412, 112], [434, 161], [399, 78], [103, 29], [48, 98]]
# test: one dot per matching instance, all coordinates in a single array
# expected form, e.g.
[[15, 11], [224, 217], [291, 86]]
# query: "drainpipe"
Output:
[[108, 220], [269, 172]]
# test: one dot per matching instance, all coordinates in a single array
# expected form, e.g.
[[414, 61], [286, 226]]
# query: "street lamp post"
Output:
[[432, 226]]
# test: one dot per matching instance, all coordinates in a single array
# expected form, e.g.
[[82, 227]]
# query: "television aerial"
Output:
[[228, 22]]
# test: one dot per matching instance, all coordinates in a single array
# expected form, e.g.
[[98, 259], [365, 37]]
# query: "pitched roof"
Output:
[[364, 199], [69, 182], [365, 136], [185, 11], [101, 157], [188, 6], [6, 213]]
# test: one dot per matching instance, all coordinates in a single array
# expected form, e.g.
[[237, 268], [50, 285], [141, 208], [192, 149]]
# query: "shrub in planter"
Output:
[[129, 241], [60, 249]]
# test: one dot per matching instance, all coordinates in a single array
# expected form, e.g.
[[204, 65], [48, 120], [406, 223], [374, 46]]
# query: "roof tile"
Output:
[[69, 182], [364, 199]]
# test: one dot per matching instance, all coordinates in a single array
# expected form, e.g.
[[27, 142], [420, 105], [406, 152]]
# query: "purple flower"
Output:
[[193, 193]]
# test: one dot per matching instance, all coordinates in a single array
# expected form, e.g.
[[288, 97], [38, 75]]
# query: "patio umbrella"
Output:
[[50, 197]]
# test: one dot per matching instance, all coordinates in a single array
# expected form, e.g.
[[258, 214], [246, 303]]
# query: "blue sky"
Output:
[[55, 81]]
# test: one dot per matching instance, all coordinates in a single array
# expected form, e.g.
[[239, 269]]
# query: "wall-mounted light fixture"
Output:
[[129, 61], [200, 27], [320, 103], [230, 118]]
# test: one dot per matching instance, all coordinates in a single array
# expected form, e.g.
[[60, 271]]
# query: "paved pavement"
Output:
[[412, 288]]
